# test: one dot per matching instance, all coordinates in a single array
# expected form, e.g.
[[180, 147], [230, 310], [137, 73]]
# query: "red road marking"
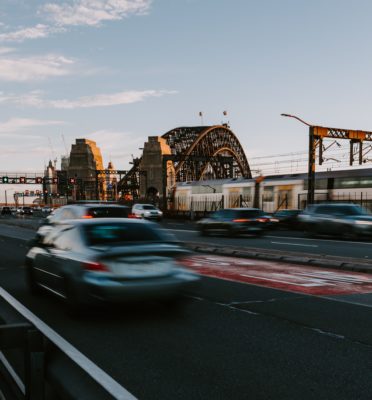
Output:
[[290, 277]]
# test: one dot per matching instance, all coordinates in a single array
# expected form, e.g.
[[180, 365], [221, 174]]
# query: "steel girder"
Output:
[[203, 144], [206, 141]]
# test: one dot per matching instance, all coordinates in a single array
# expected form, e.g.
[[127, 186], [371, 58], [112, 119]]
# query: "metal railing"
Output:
[[38, 364]]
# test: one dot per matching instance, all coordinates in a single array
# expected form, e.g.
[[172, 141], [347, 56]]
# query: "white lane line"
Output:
[[12, 373], [100, 376], [351, 301], [318, 239], [296, 244], [288, 238], [182, 230]]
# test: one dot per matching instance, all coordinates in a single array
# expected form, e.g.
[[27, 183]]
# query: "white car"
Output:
[[147, 211]]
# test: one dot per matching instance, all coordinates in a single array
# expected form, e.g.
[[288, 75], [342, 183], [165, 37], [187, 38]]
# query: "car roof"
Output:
[[98, 205], [336, 204], [242, 209], [98, 221]]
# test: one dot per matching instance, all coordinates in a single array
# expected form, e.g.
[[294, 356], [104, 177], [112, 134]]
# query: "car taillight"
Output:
[[87, 216], [94, 266], [134, 216], [262, 219], [241, 220]]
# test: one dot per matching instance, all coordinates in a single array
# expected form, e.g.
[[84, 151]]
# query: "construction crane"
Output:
[[64, 143], [52, 153]]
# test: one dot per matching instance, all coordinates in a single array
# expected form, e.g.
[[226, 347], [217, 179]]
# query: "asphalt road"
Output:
[[281, 240], [230, 341], [289, 241]]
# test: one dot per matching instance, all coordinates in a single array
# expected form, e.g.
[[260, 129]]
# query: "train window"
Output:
[[321, 183], [366, 182], [268, 193], [341, 183], [206, 189]]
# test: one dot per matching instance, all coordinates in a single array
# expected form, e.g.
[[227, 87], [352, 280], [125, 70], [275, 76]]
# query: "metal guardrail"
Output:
[[38, 364]]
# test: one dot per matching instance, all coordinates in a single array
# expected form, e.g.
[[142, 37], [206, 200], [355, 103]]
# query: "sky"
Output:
[[118, 71]]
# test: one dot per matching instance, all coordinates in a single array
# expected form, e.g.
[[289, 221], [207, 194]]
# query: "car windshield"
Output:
[[123, 234], [248, 213], [108, 212], [149, 207], [287, 212], [341, 210]]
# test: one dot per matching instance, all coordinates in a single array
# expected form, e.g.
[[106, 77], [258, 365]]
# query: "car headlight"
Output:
[[361, 222]]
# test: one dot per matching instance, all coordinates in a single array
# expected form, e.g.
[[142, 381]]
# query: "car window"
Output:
[[67, 213], [216, 215], [108, 212], [149, 207], [340, 210], [248, 213], [68, 239], [56, 215], [122, 234]]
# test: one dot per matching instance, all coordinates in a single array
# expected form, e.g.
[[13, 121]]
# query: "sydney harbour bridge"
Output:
[[188, 154], [183, 154]]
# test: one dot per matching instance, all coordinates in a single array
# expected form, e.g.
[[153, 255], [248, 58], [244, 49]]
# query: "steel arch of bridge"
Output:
[[206, 141], [193, 150]]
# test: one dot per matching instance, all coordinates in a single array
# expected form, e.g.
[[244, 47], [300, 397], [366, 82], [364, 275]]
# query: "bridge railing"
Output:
[[38, 364]]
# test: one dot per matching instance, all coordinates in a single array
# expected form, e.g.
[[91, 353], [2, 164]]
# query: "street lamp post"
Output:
[[312, 159]]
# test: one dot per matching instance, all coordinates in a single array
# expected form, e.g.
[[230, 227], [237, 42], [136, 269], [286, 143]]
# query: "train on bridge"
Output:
[[273, 192]]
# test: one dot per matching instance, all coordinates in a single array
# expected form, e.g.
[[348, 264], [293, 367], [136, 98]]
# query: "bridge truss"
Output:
[[197, 153]]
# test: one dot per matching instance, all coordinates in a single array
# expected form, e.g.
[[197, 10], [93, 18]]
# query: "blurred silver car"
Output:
[[147, 211], [81, 211], [339, 219], [107, 259]]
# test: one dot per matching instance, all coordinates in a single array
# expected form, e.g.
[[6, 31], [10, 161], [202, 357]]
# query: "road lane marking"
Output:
[[296, 244], [288, 238], [282, 276]]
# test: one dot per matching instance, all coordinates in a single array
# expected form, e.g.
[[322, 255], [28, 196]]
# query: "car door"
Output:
[[51, 264], [215, 221]]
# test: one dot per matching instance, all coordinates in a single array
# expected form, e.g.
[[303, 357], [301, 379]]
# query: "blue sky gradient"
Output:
[[118, 71]]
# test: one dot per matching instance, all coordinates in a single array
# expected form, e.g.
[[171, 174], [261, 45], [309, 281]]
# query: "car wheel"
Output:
[[31, 283], [348, 233]]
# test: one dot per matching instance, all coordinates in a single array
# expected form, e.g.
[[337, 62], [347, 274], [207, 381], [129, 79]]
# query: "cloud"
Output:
[[23, 69], [118, 147], [77, 13], [93, 12], [14, 125], [6, 50], [34, 99], [35, 32]]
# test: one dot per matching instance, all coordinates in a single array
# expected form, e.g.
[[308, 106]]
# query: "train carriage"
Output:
[[273, 192]]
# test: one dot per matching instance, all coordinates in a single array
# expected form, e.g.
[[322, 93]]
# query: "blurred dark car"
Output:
[[286, 219], [235, 221], [108, 259], [6, 211], [339, 219], [26, 211]]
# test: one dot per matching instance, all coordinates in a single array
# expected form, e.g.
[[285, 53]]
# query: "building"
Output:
[[84, 182]]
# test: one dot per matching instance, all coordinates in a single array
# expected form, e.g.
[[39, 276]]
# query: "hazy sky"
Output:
[[118, 71]]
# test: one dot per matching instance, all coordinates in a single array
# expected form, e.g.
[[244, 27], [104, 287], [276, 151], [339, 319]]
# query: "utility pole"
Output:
[[312, 160]]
